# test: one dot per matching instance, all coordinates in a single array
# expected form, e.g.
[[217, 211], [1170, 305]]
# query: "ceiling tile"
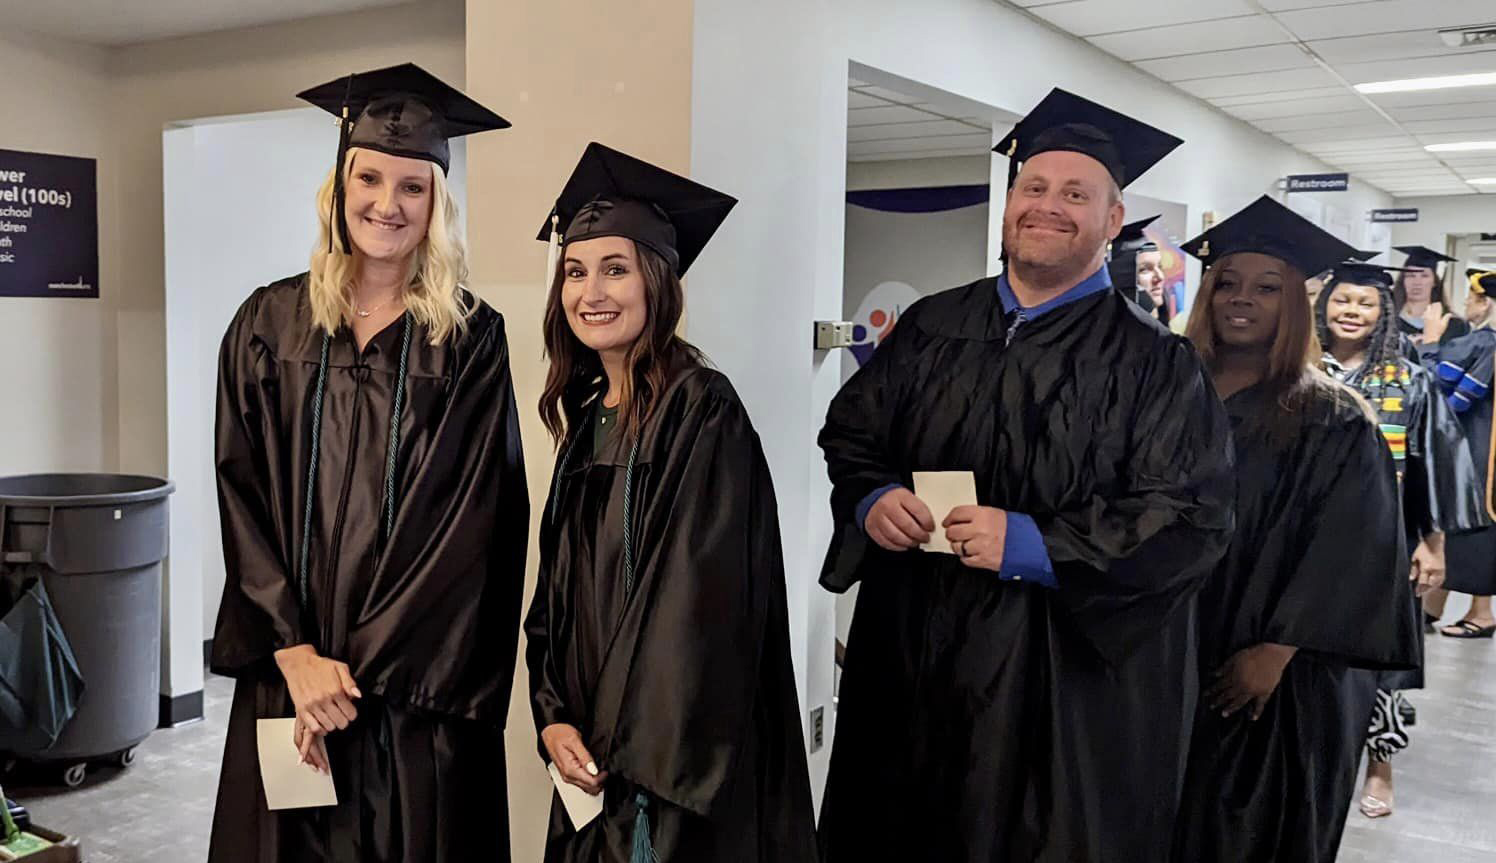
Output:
[[1295, 107], [1331, 120], [905, 131], [1094, 17], [1419, 67], [1266, 82], [1278, 96], [887, 114], [1241, 61], [863, 100], [1383, 16], [1416, 42], [1168, 41]]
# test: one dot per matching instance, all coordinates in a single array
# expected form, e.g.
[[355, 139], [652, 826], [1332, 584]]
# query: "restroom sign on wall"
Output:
[[49, 226]]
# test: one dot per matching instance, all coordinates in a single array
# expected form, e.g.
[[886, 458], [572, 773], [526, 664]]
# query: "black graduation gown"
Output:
[[1457, 327], [1303, 570], [427, 620], [684, 688], [1433, 464], [1465, 365], [982, 719]]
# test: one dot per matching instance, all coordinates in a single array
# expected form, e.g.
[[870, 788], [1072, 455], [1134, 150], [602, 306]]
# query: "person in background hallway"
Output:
[[658, 637], [375, 517], [1356, 324], [1028, 697], [1463, 368], [1314, 585], [1136, 268], [1314, 285], [1420, 287]]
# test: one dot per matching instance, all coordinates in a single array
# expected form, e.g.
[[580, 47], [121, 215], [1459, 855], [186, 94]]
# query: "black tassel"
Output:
[[339, 215]]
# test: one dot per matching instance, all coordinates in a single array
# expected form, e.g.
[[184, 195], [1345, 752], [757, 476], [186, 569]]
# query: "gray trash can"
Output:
[[97, 542]]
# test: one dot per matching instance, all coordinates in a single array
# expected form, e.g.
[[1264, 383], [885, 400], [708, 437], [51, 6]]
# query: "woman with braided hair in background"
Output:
[[1357, 326]]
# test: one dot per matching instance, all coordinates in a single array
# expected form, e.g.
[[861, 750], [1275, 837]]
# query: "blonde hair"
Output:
[[434, 286]]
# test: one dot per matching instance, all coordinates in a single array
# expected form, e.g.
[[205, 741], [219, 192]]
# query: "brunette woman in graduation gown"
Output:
[[1310, 587], [658, 638], [374, 511]]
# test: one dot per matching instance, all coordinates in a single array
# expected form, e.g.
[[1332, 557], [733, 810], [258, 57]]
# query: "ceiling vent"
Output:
[[1469, 37]]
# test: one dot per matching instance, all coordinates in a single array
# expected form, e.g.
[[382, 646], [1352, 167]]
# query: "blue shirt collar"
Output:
[[1097, 282]]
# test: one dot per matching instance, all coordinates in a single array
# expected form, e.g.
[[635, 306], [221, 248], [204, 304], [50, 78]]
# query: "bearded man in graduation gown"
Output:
[[1027, 698]]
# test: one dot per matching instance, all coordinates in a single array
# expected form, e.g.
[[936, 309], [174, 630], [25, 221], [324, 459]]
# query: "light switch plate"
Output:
[[830, 335]]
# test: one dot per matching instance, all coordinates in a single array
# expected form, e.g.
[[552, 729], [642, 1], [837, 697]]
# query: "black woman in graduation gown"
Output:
[[1356, 324], [1463, 368], [1032, 708], [374, 512], [1313, 585], [658, 637]]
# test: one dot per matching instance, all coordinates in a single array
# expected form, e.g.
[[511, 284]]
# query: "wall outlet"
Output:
[[817, 729], [830, 335]]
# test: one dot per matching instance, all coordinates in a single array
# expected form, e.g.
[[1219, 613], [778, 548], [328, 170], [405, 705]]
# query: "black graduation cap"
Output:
[[1268, 227], [1422, 257], [1132, 239], [400, 110], [1357, 272], [1482, 282], [1065, 121], [613, 194]]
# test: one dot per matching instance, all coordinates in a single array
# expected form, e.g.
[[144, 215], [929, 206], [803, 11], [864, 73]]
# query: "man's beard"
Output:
[[1054, 263]]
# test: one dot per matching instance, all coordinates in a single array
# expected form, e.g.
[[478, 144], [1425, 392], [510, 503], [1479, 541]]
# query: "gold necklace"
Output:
[[364, 313]]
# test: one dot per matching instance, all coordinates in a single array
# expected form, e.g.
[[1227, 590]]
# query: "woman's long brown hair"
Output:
[[576, 371], [1292, 376]]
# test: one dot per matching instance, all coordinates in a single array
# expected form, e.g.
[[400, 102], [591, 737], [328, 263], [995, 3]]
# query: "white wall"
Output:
[[769, 103], [58, 354], [1444, 215]]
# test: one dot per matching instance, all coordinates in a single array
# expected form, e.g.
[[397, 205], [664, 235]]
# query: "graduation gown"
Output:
[[982, 719], [1434, 469], [1463, 369], [682, 689], [426, 618], [1458, 327], [1304, 569]]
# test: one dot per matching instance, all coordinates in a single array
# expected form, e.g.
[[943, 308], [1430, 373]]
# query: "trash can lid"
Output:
[[82, 489]]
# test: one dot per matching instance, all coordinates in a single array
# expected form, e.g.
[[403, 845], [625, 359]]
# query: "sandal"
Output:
[[1468, 629], [1372, 807]]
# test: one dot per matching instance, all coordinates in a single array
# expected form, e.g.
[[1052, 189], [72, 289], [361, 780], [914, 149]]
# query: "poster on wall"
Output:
[[49, 226], [1168, 231], [904, 244]]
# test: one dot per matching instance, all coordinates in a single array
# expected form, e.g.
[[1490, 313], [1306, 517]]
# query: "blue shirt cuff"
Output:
[[866, 504], [1024, 556]]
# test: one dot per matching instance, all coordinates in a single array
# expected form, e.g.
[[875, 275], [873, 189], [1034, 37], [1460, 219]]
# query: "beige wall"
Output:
[[57, 354], [589, 70], [234, 72]]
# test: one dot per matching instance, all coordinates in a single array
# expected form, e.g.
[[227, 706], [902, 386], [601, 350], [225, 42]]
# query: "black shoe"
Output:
[[1428, 623], [1408, 713]]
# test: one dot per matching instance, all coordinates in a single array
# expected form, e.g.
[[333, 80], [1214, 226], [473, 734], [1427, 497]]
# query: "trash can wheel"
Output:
[[74, 775], [124, 758]]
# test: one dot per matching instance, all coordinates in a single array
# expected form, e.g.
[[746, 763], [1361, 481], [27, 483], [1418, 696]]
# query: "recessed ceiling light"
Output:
[[1461, 146], [1404, 85]]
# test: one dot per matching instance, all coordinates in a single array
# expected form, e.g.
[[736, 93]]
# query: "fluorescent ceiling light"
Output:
[[1461, 146], [1442, 82], [1483, 181]]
